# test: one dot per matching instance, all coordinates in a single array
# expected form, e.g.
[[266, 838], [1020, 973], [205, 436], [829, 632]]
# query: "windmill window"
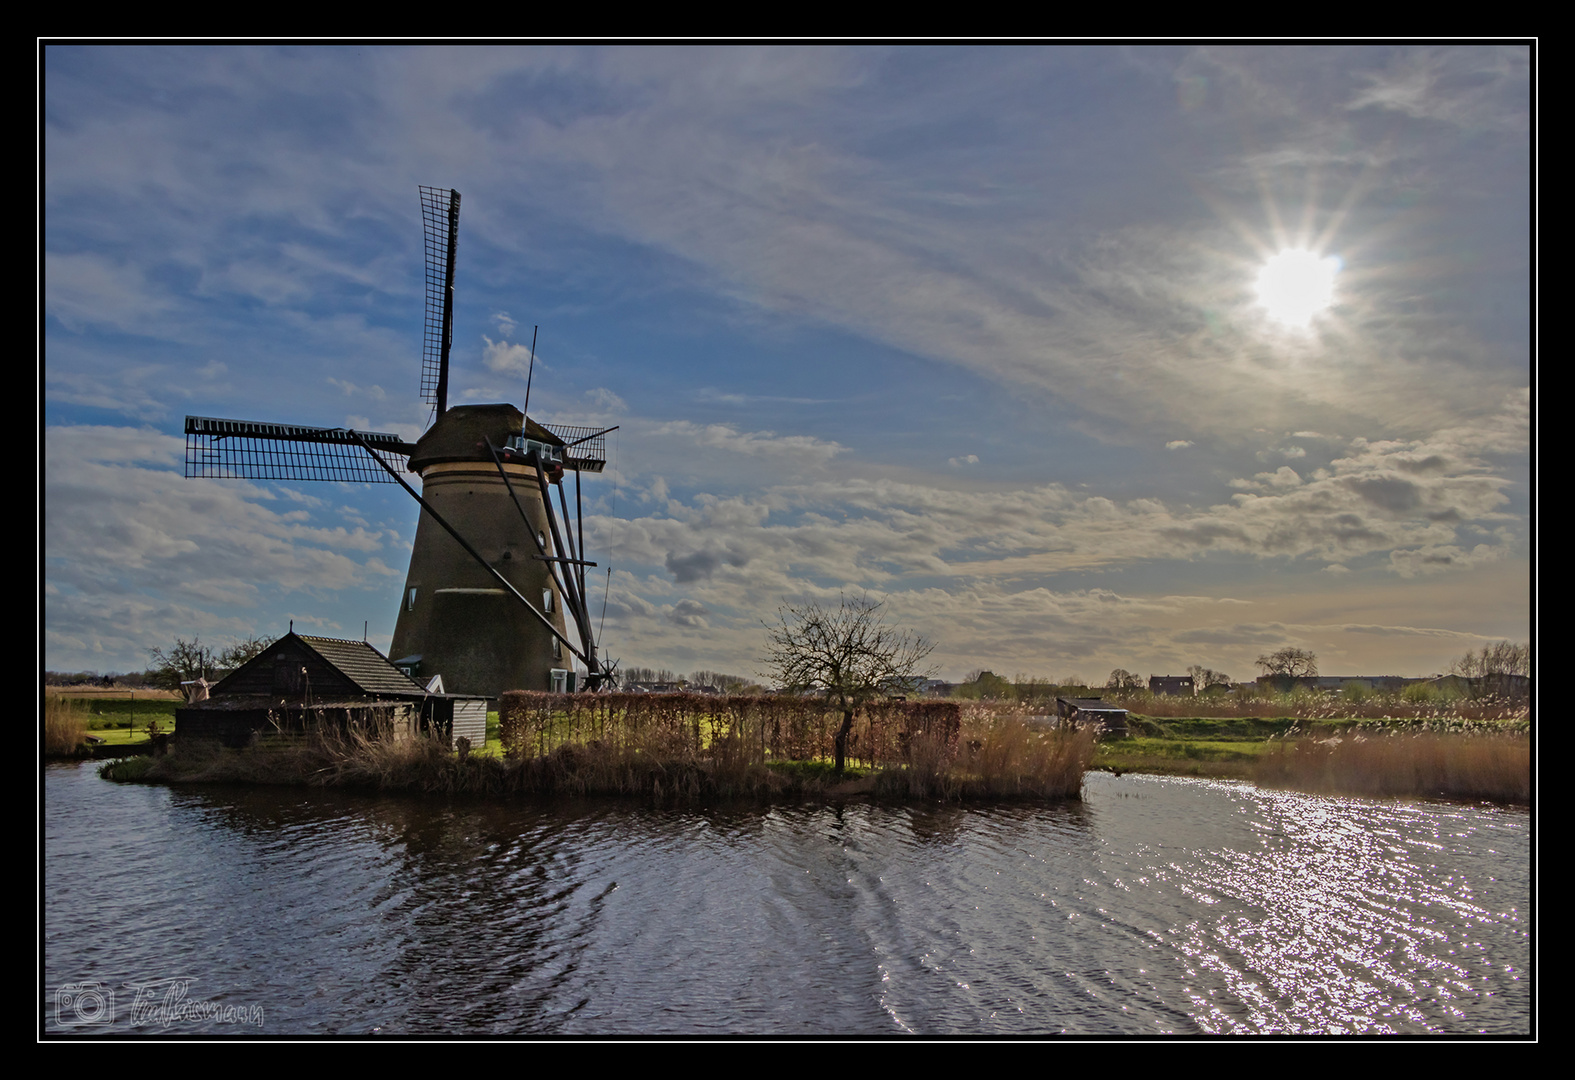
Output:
[[410, 598], [557, 649], [546, 601], [541, 538]]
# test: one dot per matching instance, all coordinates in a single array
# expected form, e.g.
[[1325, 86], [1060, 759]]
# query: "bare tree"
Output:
[[984, 684], [1289, 663], [850, 656], [1505, 658], [1122, 679], [186, 660], [1203, 678], [1494, 669], [236, 655]]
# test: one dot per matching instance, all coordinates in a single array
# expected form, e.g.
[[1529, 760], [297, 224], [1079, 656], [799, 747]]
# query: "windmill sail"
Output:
[[254, 450], [440, 219]]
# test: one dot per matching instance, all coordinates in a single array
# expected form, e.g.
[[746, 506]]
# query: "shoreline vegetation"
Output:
[[997, 750], [999, 759]]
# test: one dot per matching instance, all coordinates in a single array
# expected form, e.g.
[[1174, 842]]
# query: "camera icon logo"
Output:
[[79, 1004]]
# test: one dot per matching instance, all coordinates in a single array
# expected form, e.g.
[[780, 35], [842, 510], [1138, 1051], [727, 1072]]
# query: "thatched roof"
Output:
[[462, 434]]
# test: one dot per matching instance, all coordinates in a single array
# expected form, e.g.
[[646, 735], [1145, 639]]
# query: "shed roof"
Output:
[[363, 665], [1091, 705], [357, 668]]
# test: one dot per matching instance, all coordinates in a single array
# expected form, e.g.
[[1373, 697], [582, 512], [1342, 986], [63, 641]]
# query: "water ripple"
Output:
[[1154, 906]]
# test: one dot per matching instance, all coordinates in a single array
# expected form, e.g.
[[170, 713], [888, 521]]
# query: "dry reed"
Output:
[[65, 727], [1417, 703], [1452, 765], [666, 751]]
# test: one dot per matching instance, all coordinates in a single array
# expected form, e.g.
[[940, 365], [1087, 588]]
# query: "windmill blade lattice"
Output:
[[440, 221], [252, 450]]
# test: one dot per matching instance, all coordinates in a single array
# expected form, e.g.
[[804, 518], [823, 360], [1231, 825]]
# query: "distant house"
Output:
[[301, 683], [1171, 684], [1111, 718]]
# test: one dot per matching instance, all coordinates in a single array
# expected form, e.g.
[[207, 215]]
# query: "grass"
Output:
[[127, 770], [1220, 758], [123, 713], [70, 722]]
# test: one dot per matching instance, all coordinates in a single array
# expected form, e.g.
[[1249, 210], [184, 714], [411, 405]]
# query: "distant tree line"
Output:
[[728, 684], [168, 668]]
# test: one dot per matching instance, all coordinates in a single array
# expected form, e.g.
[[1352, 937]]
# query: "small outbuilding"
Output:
[[301, 684], [1112, 719]]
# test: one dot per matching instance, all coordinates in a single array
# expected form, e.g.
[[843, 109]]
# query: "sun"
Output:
[[1297, 284]]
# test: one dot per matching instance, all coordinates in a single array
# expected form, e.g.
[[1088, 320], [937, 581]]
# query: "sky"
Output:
[[974, 331]]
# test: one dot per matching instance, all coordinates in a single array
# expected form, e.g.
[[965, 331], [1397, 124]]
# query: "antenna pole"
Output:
[[608, 592], [529, 371]]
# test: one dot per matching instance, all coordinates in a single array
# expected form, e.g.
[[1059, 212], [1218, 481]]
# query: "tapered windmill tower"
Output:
[[495, 566]]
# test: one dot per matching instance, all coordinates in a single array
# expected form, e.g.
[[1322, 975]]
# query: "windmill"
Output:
[[495, 566]]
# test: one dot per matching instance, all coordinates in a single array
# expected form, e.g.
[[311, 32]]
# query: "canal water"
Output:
[[1154, 906]]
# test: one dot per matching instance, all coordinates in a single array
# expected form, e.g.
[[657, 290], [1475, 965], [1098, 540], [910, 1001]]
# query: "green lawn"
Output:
[[107, 714]]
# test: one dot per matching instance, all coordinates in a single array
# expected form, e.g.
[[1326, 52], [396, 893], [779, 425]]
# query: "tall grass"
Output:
[[1000, 753], [1416, 702], [65, 727], [1445, 764]]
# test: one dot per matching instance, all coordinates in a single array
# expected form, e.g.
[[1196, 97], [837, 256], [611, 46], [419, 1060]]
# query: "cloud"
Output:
[[506, 357], [1465, 87], [125, 533], [350, 389], [91, 290], [687, 614], [605, 401], [728, 438]]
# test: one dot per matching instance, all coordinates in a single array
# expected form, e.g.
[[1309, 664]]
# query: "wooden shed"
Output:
[[301, 683], [1112, 719]]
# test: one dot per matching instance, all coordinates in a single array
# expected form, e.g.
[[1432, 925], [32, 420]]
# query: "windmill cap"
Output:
[[463, 432]]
